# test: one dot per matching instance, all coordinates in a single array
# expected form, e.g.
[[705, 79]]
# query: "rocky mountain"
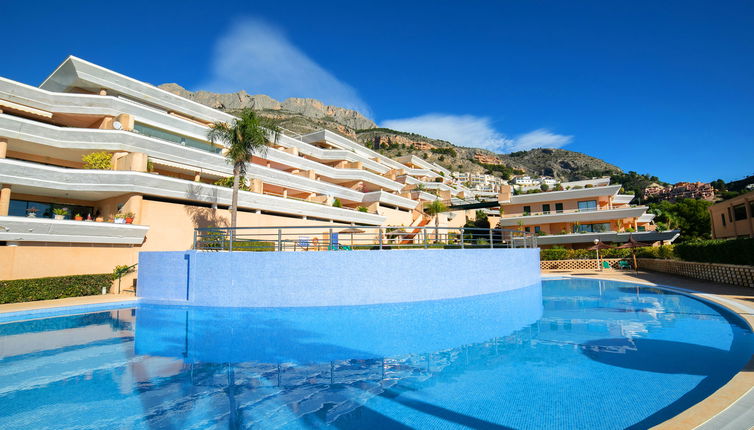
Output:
[[291, 107], [302, 115]]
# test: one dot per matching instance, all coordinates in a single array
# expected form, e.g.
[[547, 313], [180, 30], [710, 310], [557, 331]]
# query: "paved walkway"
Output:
[[70, 301], [732, 406]]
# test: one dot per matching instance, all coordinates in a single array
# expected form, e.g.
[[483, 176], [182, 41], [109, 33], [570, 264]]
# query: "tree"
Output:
[[434, 208], [689, 215], [246, 135]]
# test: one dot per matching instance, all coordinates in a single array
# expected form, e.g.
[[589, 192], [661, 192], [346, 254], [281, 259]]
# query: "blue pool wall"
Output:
[[337, 278]]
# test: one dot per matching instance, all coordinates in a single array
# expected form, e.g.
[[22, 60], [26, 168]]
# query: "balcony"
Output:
[[574, 215], [38, 179], [21, 229]]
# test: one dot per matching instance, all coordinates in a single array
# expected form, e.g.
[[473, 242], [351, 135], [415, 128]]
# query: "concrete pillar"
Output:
[[198, 177], [3, 148], [133, 204], [4, 199], [285, 194], [103, 92]]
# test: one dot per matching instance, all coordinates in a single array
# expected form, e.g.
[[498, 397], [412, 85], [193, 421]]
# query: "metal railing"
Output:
[[357, 238]]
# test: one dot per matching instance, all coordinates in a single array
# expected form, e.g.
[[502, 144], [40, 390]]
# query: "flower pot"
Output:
[[78, 218], [120, 220], [31, 215], [129, 220], [59, 216], [99, 219]]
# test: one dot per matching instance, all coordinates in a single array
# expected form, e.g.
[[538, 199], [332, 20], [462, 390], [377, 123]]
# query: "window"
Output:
[[527, 210], [642, 228], [589, 205], [730, 215], [559, 208], [546, 209], [739, 212], [536, 229], [592, 228], [527, 229], [181, 140], [44, 210], [722, 217]]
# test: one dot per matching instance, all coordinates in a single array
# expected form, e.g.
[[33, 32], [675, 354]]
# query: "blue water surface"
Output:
[[566, 354]]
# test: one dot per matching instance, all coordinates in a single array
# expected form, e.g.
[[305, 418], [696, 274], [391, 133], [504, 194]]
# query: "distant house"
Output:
[[681, 190]]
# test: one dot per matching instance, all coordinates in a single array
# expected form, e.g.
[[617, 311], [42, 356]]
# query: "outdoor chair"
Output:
[[605, 265], [623, 264], [303, 242]]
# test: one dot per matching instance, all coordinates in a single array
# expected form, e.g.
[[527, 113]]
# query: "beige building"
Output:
[[574, 218], [60, 214], [733, 218]]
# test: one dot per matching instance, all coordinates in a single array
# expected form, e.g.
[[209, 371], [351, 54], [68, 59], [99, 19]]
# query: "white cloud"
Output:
[[541, 138], [256, 56], [463, 130], [477, 132]]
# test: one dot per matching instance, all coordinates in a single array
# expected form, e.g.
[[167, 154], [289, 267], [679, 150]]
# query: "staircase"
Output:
[[409, 238]]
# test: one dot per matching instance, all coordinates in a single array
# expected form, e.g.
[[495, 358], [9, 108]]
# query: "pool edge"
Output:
[[736, 394]]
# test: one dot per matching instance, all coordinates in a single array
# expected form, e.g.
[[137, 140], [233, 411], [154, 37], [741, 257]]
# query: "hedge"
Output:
[[28, 290], [737, 251], [665, 251]]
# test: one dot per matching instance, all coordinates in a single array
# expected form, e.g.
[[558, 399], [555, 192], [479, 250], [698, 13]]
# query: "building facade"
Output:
[[163, 172], [576, 217], [733, 218]]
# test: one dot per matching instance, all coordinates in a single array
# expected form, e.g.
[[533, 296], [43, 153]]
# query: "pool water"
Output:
[[568, 354]]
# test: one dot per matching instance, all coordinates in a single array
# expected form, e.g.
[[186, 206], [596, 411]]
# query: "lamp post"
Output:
[[596, 246]]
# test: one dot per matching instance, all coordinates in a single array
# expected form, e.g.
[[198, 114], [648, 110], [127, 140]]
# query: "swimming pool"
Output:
[[567, 353]]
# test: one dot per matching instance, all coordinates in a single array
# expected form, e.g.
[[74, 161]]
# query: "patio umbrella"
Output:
[[352, 231], [598, 244], [633, 244]]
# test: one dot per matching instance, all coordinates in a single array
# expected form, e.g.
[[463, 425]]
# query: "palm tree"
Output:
[[246, 135], [434, 208]]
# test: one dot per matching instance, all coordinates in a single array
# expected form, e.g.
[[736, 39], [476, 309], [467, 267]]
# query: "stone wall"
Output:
[[722, 273]]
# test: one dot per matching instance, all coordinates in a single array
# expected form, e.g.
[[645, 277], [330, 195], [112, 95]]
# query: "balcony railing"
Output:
[[357, 238], [566, 211]]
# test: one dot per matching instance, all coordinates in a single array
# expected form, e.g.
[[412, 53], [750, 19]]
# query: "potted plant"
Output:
[[78, 217], [130, 217], [31, 212], [120, 218], [99, 218], [60, 213]]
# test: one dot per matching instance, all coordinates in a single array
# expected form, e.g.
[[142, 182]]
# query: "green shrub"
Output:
[[228, 183], [98, 160], [738, 251], [581, 254], [27, 290], [337, 203], [219, 241]]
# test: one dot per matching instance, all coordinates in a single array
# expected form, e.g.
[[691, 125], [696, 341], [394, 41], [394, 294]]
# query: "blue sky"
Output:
[[665, 88]]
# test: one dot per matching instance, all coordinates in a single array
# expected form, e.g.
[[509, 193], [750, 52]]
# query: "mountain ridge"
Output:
[[305, 115]]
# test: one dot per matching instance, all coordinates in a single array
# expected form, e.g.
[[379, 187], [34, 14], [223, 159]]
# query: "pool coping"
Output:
[[731, 407], [69, 306]]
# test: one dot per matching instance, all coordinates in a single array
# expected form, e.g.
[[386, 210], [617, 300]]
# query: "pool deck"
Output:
[[70, 302], [730, 408]]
